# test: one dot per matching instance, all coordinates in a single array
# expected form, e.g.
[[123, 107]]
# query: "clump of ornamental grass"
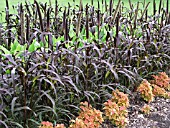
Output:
[[47, 124], [88, 117], [116, 108]]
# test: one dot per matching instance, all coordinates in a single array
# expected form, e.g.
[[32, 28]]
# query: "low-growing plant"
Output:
[[145, 90], [88, 117], [162, 80], [158, 91], [77, 123], [146, 109], [157, 87], [116, 108], [46, 124], [116, 114], [120, 98]]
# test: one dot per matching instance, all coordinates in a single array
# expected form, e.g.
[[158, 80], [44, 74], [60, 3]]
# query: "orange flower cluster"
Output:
[[116, 108], [146, 91], [120, 98], [158, 91], [88, 117], [162, 80], [157, 87], [46, 124]]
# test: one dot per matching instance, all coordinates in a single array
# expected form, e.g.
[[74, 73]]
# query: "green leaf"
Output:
[[34, 46], [31, 48], [71, 32], [4, 50], [107, 74], [15, 47], [8, 71], [22, 49], [61, 38]]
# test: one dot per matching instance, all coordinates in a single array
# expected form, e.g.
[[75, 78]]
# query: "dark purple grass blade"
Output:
[[167, 7], [64, 19], [130, 4], [40, 16], [144, 12], [106, 6], [66, 30], [136, 15], [8, 25], [92, 3], [28, 28], [7, 4], [87, 22], [98, 19], [154, 8], [111, 7], [27, 7], [22, 20], [160, 5]]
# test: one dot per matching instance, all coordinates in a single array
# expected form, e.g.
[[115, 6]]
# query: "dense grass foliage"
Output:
[[52, 58]]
